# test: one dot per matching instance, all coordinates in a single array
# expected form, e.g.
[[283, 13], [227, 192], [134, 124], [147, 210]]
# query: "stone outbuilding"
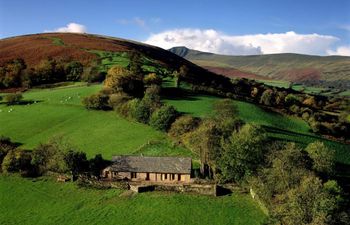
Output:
[[153, 169]]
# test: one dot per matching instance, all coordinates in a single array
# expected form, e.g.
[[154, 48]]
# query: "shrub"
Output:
[[291, 99], [183, 124], [118, 99], [12, 99], [163, 118], [267, 97], [9, 163], [96, 101], [140, 111]]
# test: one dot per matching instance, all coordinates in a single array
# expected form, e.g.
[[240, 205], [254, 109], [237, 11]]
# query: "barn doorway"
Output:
[[147, 176]]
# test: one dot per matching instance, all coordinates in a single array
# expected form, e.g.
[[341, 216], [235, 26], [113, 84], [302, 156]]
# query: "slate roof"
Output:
[[151, 164]]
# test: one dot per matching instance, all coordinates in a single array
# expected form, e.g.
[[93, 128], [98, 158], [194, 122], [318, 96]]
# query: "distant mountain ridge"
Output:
[[286, 66]]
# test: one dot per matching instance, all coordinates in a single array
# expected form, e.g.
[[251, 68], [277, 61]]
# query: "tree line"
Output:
[[16, 74]]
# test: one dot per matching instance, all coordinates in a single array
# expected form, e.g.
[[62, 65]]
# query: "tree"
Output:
[[179, 75], [267, 97], [288, 165], [11, 73], [12, 99], [183, 124], [73, 70], [123, 80], [163, 118], [97, 164], [311, 202], [50, 156], [242, 153], [322, 157], [135, 65], [226, 116], [76, 162], [205, 142]]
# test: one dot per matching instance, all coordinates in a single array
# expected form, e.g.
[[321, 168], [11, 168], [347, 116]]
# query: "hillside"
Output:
[[88, 49], [290, 67]]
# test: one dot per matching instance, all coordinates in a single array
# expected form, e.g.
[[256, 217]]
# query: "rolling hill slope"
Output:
[[87, 48], [291, 67]]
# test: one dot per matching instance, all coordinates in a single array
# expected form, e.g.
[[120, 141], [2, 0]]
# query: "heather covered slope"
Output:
[[291, 67], [85, 48]]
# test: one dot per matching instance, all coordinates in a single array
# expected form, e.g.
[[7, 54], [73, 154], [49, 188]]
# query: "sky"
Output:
[[243, 27]]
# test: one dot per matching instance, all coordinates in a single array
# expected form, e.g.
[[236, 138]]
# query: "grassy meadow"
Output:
[[50, 202], [278, 126], [59, 112]]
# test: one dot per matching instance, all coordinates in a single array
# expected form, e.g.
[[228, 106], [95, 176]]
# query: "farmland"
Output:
[[59, 112]]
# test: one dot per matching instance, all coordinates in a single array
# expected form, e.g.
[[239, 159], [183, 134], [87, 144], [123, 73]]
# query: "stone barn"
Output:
[[145, 168]]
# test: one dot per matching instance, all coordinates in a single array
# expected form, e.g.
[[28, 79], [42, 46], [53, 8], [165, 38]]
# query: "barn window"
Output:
[[133, 175], [166, 176]]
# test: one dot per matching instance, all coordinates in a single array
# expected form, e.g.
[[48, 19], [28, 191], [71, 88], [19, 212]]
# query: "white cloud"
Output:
[[71, 28], [341, 50], [217, 42]]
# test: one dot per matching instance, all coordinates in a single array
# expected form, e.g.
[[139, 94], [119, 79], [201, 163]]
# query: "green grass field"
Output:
[[41, 201], [279, 127], [59, 112]]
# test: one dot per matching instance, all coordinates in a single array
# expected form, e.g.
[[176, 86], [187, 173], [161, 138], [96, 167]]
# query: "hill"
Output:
[[290, 67], [90, 50]]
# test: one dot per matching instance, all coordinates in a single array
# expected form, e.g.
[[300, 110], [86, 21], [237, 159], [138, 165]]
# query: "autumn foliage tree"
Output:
[[122, 80]]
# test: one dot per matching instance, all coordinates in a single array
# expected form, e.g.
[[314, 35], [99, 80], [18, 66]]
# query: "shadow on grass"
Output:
[[23, 102], [173, 93]]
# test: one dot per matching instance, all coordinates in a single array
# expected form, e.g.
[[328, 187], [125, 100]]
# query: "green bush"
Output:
[[291, 99], [163, 118], [267, 97], [96, 101], [183, 124], [9, 163], [116, 100], [141, 111]]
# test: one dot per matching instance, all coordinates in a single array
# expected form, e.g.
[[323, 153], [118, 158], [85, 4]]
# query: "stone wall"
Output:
[[203, 189]]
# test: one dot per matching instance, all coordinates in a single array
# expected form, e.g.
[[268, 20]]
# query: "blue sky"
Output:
[[229, 27]]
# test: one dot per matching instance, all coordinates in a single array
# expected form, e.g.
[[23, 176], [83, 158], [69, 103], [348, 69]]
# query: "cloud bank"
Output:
[[70, 28], [341, 50], [210, 40]]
